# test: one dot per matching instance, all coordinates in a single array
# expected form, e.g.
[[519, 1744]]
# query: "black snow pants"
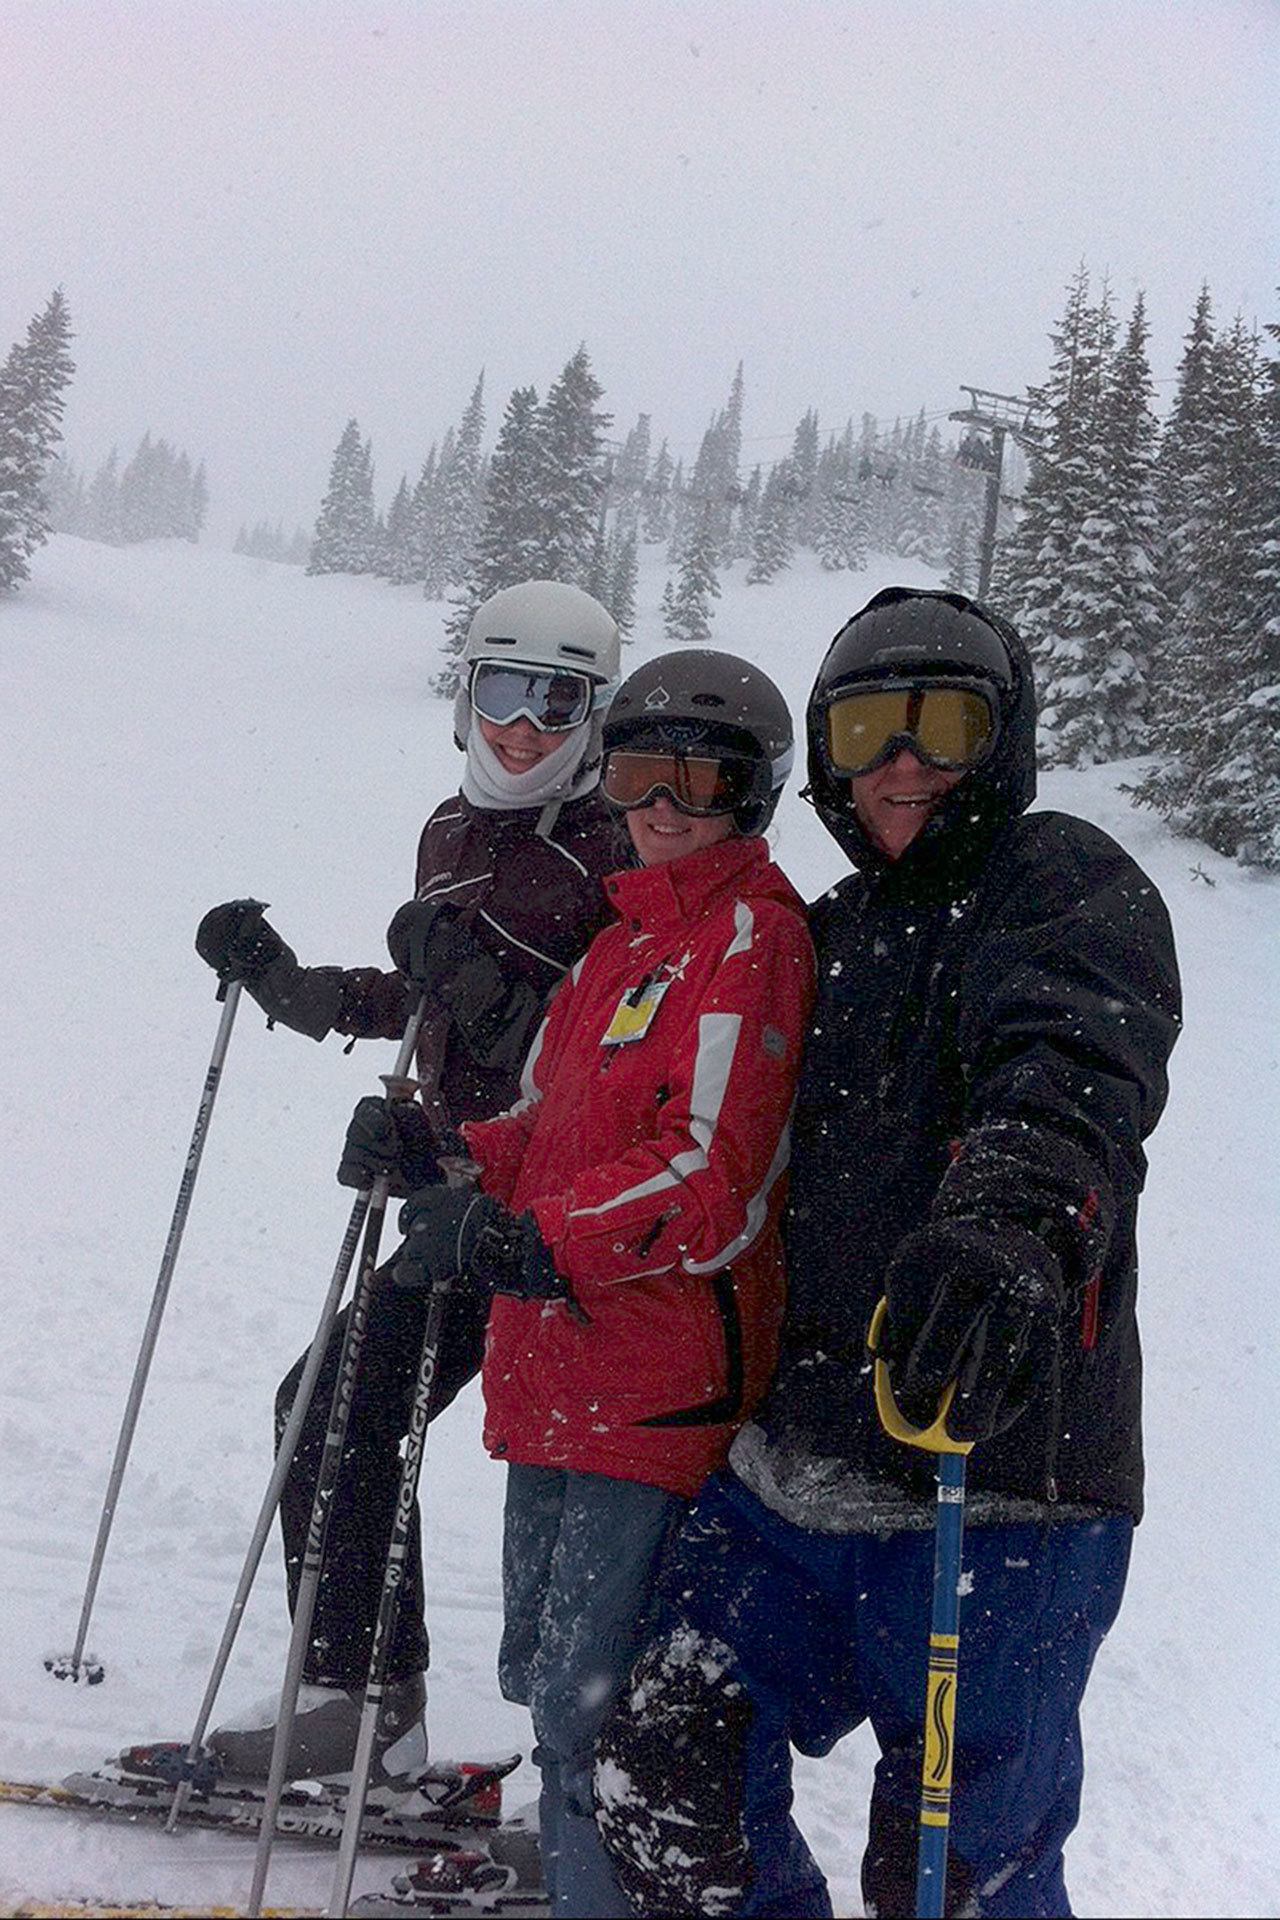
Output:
[[365, 1496]]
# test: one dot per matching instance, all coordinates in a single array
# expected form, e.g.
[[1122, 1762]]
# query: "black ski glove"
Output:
[[434, 951], [239, 944], [391, 1138], [452, 1232], [975, 1305]]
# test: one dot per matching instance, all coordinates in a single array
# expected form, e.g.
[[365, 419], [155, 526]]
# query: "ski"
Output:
[[503, 1879], [441, 1808], [503, 1882]]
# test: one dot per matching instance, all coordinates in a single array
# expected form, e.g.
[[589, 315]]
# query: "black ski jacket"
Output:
[[995, 1013]]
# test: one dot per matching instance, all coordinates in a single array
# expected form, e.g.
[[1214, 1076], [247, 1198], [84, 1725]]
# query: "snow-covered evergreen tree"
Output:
[[1031, 565], [686, 600], [509, 545], [1218, 705], [570, 445], [457, 503], [395, 554], [1179, 479], [102, 502], [773, 538], [1111, 614], [841, 522], [656, 519], [802, 478], [33, 381], [344, 535], [630, 477], [624, 580]]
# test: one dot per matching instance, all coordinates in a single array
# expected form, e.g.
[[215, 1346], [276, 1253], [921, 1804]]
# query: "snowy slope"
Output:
[[183, 726]]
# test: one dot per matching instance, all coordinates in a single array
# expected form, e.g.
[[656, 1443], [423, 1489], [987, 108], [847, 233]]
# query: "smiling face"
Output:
[[521, 746], [893, 801], [660, 832]]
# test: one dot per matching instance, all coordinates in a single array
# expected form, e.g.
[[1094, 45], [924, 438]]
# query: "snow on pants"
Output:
[[364, 1498], [580, 1554], [774, 1636]]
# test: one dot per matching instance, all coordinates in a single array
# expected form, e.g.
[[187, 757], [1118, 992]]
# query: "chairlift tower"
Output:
[[1003, 416]]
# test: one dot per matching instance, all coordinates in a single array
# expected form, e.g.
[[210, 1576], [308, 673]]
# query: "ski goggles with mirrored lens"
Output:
[[504, 691], [951, 726], [698, 784]]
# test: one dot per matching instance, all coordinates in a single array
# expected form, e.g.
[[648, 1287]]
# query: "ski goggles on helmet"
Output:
[[695, 783], [553, 699], [951, 725]]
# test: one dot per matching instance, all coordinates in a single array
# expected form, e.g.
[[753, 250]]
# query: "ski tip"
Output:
[[87, 1671], [144, 1910]]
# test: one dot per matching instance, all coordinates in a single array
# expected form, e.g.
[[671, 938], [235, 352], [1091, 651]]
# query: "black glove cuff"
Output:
[[307, 999]]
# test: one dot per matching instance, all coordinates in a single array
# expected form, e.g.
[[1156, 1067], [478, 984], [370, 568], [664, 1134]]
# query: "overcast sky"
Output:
[[269, 215]]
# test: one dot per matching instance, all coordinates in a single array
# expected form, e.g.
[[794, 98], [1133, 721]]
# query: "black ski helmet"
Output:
[[699, 697], [922, 633]]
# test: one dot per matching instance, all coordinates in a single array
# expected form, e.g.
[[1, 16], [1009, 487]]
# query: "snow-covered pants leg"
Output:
[[365, 1495], [580, 1554], [820, 1632]]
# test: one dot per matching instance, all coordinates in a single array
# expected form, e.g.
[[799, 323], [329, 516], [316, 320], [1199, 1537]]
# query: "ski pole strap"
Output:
[[933, 1438]]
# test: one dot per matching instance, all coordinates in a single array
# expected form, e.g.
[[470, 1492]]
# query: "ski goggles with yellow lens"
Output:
[[951, 725], [697, 784], [503, 692]]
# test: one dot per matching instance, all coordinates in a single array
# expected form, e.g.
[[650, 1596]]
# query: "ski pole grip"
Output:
[[933, 1438]]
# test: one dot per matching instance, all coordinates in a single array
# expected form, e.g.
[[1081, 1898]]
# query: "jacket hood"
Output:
[[996, 792]]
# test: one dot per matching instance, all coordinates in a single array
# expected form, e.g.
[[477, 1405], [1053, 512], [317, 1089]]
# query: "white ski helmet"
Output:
[[547, 624], [544, 623]]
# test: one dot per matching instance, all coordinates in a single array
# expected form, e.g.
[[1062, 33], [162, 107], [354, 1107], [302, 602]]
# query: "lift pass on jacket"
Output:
[[635, 1012]]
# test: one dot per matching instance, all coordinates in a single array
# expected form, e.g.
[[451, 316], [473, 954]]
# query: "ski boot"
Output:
[[322, 1744]]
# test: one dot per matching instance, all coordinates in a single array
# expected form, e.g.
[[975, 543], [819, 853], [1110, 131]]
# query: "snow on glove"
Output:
[[389, 1139], [975, 1305], [452, 1232], [239, 944]]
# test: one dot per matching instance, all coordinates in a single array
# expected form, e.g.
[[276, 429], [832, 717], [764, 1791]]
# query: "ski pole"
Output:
[[74, 1666], [389, 1600], [285, 1451], [326, 1481], [944, 1627]]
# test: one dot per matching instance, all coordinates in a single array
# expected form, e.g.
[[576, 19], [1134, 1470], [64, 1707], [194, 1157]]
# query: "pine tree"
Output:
[[1031, 565], [1110, 613], [344, 536], [840, 523], [33, 380], [656, 521], [508, 546], [395, 555], [686, 600], [624, 581], [803, 478], [457, 500], [571, 472], [773, 540], [1179, 478], [630, 477], [102, 502], [1219, 700]]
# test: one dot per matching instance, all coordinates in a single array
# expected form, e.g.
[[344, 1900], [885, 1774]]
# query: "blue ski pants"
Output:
[[797, 1638], [579, 1561]]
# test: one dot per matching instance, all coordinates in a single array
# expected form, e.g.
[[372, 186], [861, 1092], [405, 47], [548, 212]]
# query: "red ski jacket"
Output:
[[651, 1146]]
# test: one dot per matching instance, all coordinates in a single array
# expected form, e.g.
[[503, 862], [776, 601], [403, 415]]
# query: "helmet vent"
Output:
[[576, 653], [706, 700]]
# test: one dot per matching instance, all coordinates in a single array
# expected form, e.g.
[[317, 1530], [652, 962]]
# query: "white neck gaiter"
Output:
[[561, 776]]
